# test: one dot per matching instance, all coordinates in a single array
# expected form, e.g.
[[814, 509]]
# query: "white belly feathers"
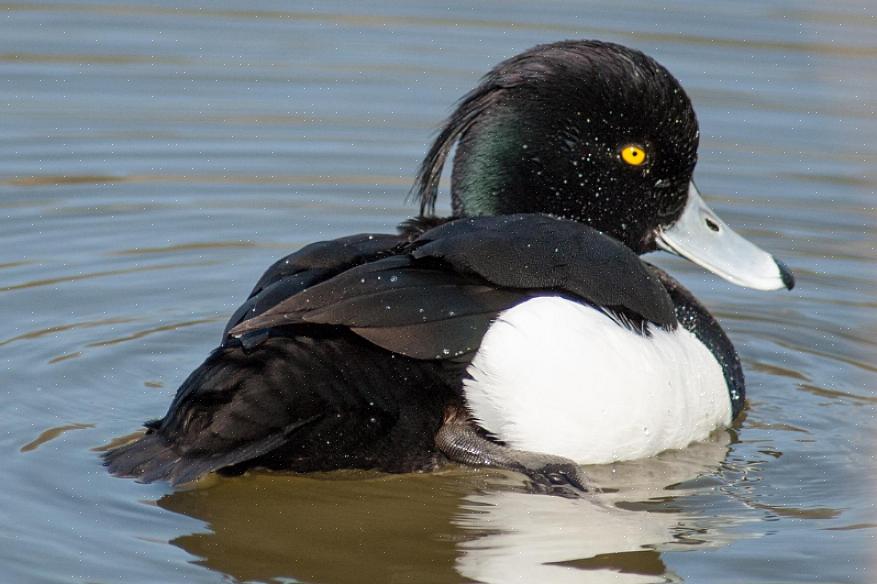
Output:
[[559, 377]]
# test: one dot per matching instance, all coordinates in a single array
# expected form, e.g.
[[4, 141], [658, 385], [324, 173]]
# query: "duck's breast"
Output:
[[560, 377]]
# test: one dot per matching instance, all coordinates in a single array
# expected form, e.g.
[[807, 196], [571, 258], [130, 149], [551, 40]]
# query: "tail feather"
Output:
[[289, 405], [151, 458], [148, 459]]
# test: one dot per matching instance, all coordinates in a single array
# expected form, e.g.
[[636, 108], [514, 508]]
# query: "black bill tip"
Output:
[[785, 274]]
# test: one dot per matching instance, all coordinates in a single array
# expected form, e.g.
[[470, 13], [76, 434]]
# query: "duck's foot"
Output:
[[548, 473]]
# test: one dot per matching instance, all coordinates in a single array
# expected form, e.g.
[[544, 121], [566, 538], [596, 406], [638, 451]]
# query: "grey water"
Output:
[[155, 157]]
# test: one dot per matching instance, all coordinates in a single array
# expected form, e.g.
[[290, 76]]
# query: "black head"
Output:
[[583, 130]]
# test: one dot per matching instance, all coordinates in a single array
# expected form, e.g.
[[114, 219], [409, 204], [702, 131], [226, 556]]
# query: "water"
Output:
[[156, 157]]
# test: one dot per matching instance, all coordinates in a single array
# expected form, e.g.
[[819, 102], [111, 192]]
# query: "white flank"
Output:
[[559, 377]]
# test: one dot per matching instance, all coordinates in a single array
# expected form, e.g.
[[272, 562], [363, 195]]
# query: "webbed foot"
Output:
[[548, 473], [558, 478]]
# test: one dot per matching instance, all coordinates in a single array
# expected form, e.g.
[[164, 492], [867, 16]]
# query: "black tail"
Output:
[[148, 459], [295, 403], [224, 414]]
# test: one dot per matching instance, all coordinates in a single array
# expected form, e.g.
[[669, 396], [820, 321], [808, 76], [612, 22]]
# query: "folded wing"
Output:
[[434, 297]]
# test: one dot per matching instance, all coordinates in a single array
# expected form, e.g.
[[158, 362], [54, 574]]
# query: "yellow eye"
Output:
[[633, 155]]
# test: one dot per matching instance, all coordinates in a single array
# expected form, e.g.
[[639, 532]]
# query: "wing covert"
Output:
[[436, 296], [530, 251], [308, 266]]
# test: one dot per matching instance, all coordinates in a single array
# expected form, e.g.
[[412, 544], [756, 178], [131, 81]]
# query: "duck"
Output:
[[524, 332]]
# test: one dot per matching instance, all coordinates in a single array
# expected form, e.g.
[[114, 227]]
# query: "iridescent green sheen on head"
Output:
[[546, 132], [482, 174]]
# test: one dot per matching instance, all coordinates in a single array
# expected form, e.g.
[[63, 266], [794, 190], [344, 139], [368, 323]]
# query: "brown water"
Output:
[[156, 157]]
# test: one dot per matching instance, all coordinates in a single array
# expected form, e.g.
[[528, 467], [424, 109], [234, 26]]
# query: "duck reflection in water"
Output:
[[359, 527]]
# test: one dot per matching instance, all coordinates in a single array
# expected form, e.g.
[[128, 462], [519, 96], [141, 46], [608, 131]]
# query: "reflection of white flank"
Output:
[[534, 533], [527, 538], [559, 377]]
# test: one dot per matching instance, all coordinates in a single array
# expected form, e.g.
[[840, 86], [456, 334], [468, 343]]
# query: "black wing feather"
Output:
[[389, 292], [450, 339], [329, 256], [529, 251], [308, 266], [464, 272], [419, 311]]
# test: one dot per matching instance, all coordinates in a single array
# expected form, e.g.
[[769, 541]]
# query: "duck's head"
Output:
[[597, 133]]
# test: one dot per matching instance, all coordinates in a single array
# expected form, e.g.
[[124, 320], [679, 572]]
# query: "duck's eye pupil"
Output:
[[633, 155]]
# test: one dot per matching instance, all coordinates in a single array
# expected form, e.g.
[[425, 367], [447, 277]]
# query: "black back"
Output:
[[435, 296]]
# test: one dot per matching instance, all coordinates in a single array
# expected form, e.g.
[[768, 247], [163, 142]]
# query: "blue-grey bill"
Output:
[[700, 236]]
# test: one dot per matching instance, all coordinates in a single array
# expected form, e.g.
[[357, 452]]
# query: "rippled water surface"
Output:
[[156, 157]]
